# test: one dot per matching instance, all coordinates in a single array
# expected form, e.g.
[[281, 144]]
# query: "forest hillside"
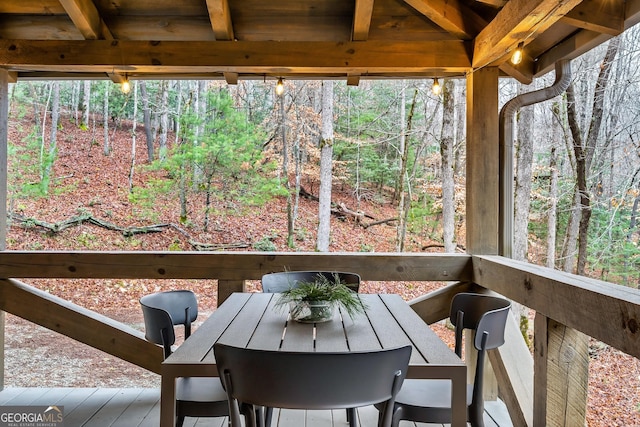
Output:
[[90, 204]]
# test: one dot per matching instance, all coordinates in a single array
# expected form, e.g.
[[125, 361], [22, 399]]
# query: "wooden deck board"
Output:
[[137, 407]]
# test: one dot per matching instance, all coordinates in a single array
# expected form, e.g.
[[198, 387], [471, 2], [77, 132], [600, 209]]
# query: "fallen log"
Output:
[[382, 221], [57, 227]]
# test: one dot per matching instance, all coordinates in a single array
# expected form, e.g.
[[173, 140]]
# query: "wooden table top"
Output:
[[252, 320]]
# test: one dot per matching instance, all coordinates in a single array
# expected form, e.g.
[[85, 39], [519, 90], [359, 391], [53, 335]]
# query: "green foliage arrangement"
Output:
[[335, 293]]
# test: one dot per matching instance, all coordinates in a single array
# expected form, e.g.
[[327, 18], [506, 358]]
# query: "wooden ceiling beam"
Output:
[[87, 19], [522, 72], [517, 21], [450, 15], [584, 41], [237, 56], [220, 16], [603, 16], [362, 20]]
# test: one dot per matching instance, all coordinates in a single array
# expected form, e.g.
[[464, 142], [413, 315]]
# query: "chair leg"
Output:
[[268, 414], [476, 414], [259, 410], [179, 420], [352, 417]]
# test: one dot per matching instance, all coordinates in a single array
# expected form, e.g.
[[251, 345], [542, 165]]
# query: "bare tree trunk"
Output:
[[447, 149], [164, 119], [460, 140], [75, 100], [552, 218], [133, 135], [146, 114], [43, 157], [105, 119], [53, 144], [404, 206], [36, 109], [285, 171], [178, 111], [403, 150], [570, 246], [201, 107], [524, 163], [584, 152], [326, 155], [86, 104]]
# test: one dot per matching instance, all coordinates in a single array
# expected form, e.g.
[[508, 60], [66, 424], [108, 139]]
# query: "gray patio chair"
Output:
[[281, 281], [314, 380], [429, 401], [195, 397]]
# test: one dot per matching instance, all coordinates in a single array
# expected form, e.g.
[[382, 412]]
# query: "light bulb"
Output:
[[436, 88], [280, 87], [125, 87], [516, 58]]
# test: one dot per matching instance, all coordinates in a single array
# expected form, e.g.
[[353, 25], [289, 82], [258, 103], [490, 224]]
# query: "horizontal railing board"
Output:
[[607, 312], [230, 265]]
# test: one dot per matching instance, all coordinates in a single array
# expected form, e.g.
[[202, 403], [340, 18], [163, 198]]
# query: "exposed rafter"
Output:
[[220, 17], [450, 15], [584, 41], [362, 20], [603, 16], [353, 80], [231, 78], [87, 19], [517, 21]]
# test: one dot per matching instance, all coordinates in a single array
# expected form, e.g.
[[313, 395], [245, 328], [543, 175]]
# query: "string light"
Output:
[[516, 58], [125, 87], [436, 88], [280, 87]]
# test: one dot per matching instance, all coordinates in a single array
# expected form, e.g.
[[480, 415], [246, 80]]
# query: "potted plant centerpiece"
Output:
[[315, 301]]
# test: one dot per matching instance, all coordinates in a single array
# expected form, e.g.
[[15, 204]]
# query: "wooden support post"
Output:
[[4, 124], [227, 287], [482, 162], [561, 363], [482, 176]]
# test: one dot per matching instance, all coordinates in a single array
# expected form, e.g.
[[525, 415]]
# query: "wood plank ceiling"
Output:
[[348, 39]]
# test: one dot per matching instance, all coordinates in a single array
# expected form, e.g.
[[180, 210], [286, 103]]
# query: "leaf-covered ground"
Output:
[[86, 181]]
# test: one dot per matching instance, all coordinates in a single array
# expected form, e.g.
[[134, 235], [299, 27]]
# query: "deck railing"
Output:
[[567, 306]]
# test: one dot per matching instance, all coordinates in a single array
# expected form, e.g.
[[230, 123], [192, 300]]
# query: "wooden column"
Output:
[[4, 124], [482, 184], [482, 162], [561, 364]]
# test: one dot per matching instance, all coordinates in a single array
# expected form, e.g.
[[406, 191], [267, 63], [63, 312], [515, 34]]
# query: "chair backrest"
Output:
[[487, 316], [278, 282], [484, 314], [298, 380], [163, 310]]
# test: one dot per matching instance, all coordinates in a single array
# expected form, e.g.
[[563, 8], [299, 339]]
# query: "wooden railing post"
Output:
[[561, 365], [227, 287]]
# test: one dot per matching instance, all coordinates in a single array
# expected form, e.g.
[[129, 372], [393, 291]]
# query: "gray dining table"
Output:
[[253, 320]]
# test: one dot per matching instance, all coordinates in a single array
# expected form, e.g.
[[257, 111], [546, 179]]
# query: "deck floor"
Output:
[[140, 407]]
